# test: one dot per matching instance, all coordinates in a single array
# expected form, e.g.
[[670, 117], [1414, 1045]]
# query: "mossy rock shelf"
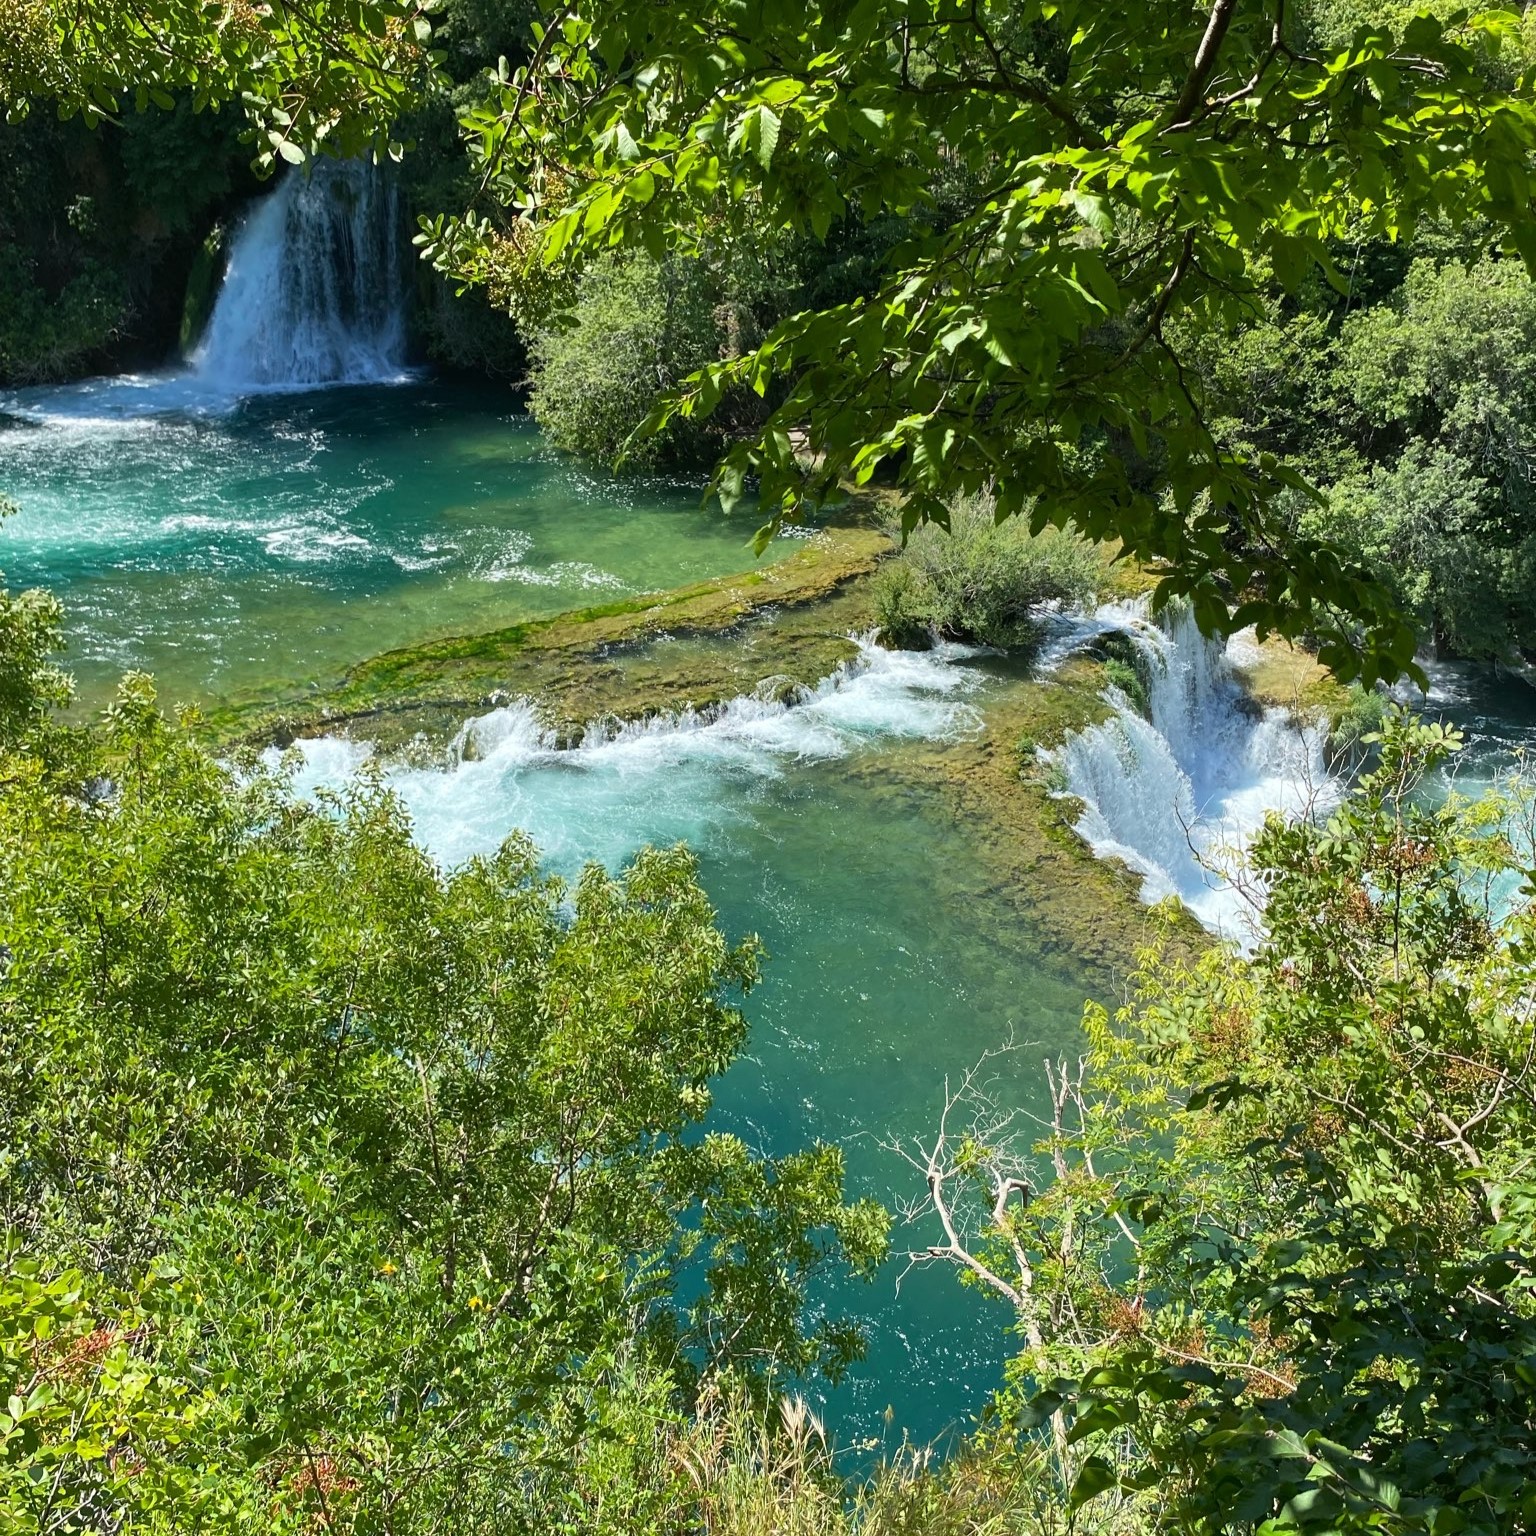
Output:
[[785, 625], [692, 647]]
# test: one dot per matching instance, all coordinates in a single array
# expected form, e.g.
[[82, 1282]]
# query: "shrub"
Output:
[[981, 580], [1124, 676], [1362, 714], [427, 1152], [639, 327], [902, 606], [47, 336], [31, 629]]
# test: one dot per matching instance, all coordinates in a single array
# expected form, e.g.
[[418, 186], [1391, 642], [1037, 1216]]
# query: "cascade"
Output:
[[315, 289], [1177, 793], [657, 780]]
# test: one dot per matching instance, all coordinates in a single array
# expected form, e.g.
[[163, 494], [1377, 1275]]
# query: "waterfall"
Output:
[[678, 777], [315, 289], [1177, 794]]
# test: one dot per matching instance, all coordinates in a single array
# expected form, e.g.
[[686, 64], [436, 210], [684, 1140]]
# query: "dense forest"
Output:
[[350, 1188]]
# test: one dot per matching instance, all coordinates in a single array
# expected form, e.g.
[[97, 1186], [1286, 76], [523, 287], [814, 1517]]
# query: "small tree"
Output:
[[638, 327], [31, 631], [424, 1149], [1271, 1256]]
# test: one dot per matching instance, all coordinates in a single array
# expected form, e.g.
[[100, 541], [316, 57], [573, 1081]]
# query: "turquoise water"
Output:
[[890, 974], [1495, 711], [280, 541], [895, 956], [276, 544]]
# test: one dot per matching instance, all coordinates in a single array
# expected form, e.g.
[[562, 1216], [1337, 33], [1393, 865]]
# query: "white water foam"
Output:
[[1178, 794], [314, 293], [674, 777]]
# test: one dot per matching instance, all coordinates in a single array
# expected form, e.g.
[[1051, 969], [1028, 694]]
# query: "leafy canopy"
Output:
[[1274, 1265], [1116, 169], [341, 1192], [337, 73], [1441, 384]]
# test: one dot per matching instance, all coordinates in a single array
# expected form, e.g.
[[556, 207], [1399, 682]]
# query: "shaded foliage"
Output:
[[418, 1155], [98, 232]]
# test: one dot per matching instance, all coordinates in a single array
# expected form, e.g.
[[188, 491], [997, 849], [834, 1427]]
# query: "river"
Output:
[[275, 542], [236, 530]]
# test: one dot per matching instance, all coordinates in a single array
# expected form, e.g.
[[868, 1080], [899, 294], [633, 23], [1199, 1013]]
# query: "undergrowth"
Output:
[[981, 580]]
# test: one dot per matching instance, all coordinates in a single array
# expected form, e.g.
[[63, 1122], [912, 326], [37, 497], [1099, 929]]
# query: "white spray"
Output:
[[314, 293], [1179, 793], [681, 776]]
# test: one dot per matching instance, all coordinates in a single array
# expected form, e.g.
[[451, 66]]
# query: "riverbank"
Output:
[[786, 622]]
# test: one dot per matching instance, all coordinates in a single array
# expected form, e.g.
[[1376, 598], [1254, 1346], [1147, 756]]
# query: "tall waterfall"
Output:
[[1178, 793], [315, 289]]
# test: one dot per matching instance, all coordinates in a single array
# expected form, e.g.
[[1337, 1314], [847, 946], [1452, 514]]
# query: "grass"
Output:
[[755, 1474]]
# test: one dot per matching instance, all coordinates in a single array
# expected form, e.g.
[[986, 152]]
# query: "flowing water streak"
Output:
[[1177, 794], [314, 293], [683, 776]]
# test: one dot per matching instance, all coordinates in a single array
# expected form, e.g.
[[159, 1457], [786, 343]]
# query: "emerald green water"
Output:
[[300, 533], [897, 953], [304, 532], [895, 967]]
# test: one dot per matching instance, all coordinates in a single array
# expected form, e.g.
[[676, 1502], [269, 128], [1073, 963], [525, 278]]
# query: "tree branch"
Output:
[[1200, 71]]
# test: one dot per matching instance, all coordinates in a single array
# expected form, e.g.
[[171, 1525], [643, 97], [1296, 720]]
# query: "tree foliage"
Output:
[[1407, 400], [327, 74], [418, 1155], [637, 327], [1125, 168], [1439, 380], [98, 229], [1274, 1272], [94, 1426], [31, 631]]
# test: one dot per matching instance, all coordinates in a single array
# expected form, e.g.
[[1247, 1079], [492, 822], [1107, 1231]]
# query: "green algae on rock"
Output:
[[1078, 913], [692, 647]]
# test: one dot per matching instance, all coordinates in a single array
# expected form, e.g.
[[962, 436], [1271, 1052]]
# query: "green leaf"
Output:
[[1094, 1477], [766, 138]]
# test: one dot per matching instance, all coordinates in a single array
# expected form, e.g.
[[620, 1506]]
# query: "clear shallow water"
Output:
[[894, 962], [233, 547]]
